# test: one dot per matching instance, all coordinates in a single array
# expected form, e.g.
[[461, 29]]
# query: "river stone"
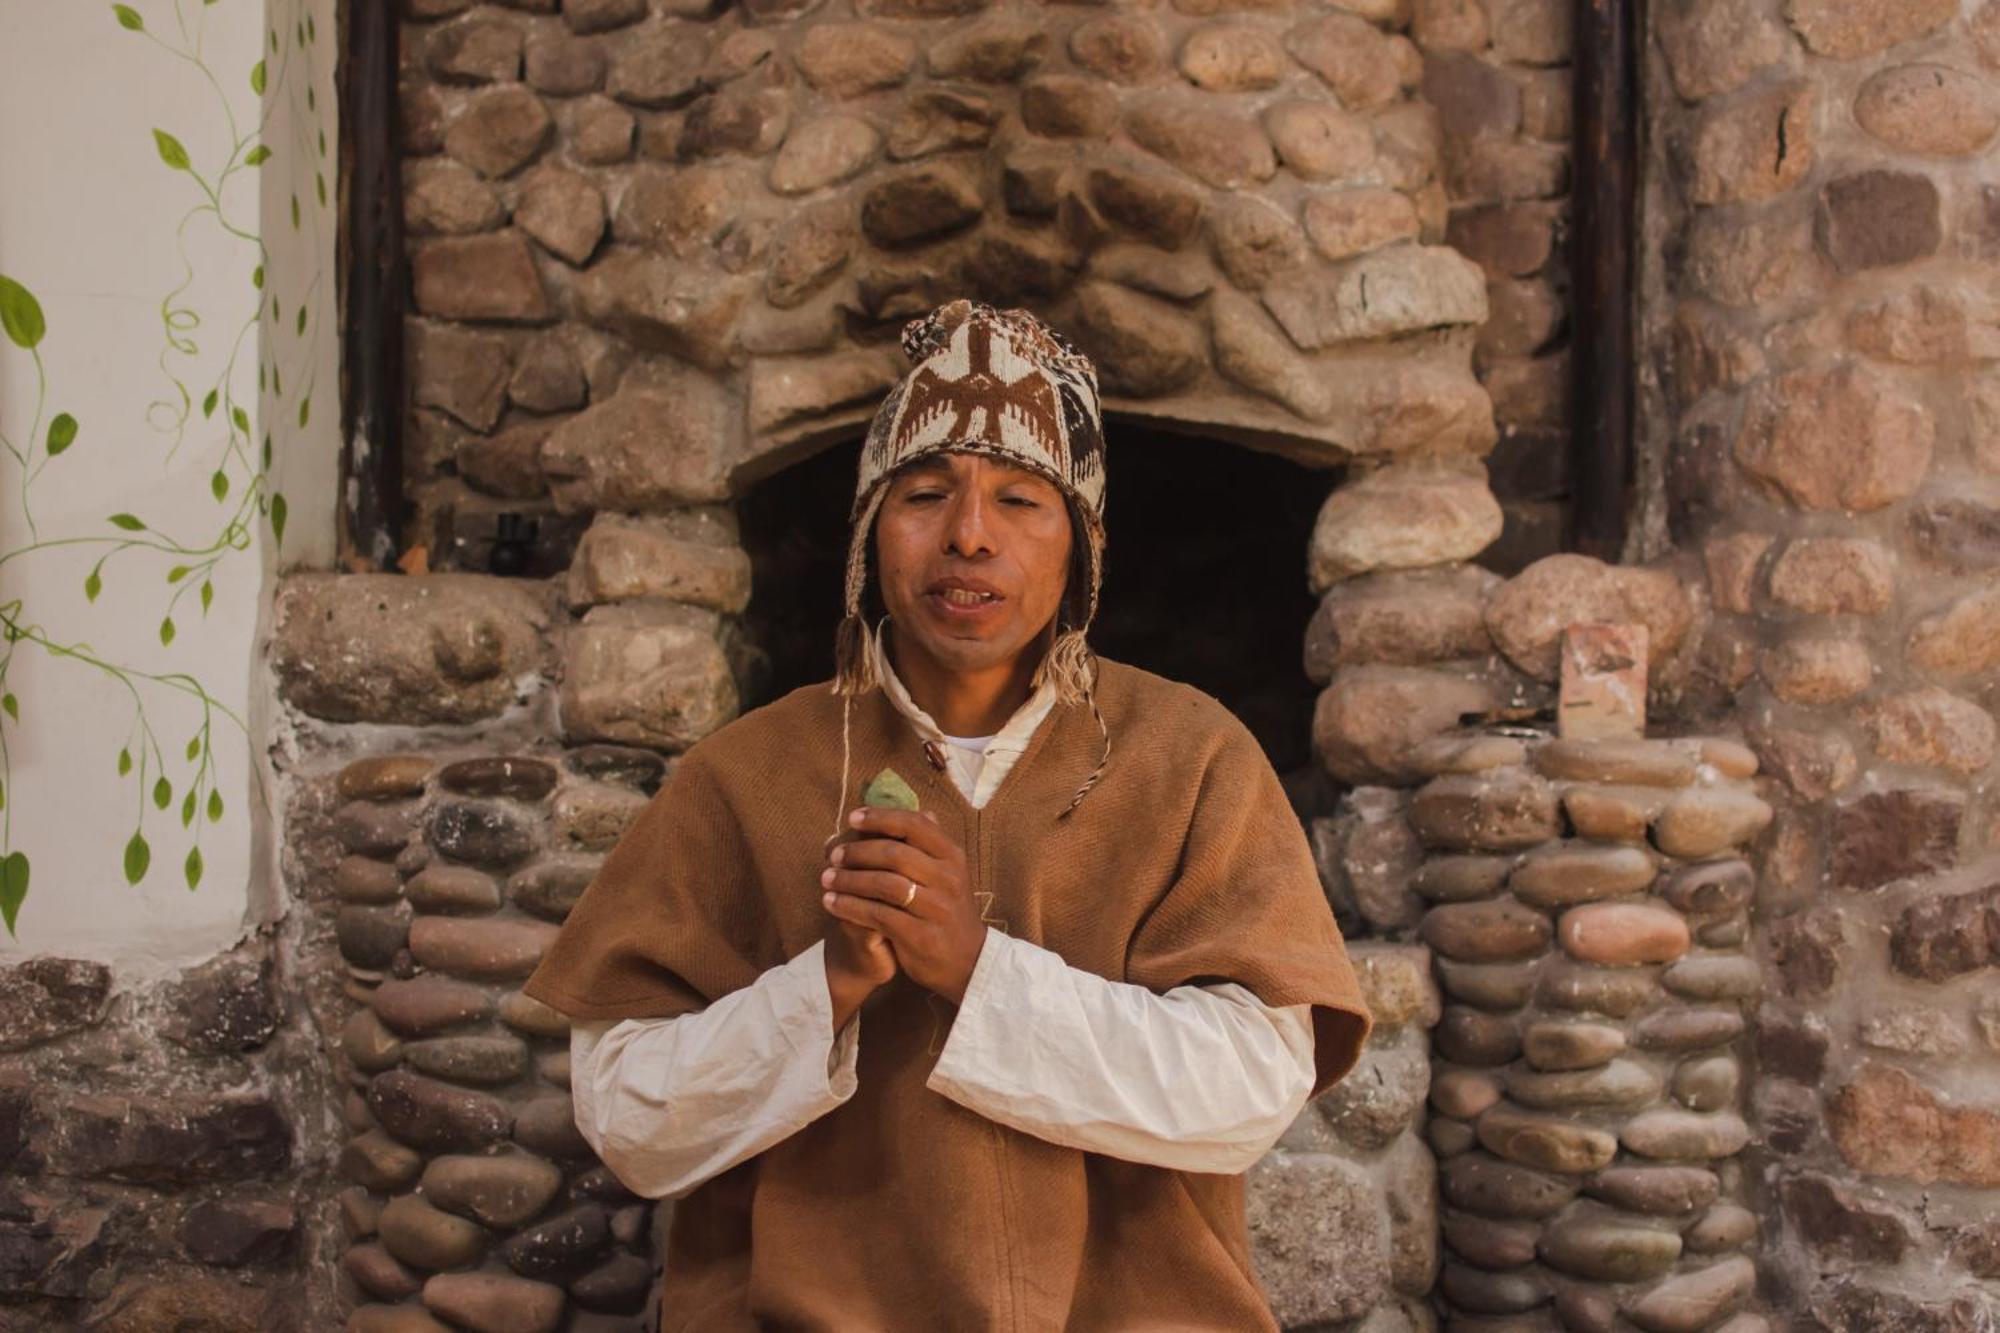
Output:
[[1562, 876], [374, 828], [1709, 821], [483, 1060], [552, 885], [1556, 1046], [362, 879], [1492, 1188], [482, 833], [1538, 1141], [619, 1286], [1460, 752], [1724, 1227], [379, 1273], [1597, 1245], [1670, 1134], [1687, 1029], [371, 936], [495, 1303], [1621, 934], [1714, 977], [1613, 814], [1463, 1093], [1469, 1037], [1621, 1084], [1448, 1138], [1487, 1243], [1514, 1292], [562, 1247], [503, 1191], [1711, 887], [368, 1045], [1627, 763], [385, 777], [1480, 932], [547, 1125], [1503, 810], [424, 1237], [1454, 879], [440, 887], [485, 949], [436, 1116], [513, 776], [529, 1016], [424, 1006], [1708, 1083], [1566, 986], [378, 1162], [1659, 1191], [1694, 1301], [1499, 987]]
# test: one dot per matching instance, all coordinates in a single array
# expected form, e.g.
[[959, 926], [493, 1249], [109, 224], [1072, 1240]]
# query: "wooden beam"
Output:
[[1604, 244], [375, 286]]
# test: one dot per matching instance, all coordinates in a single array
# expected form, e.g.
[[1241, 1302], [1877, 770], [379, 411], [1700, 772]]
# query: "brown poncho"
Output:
[[902, 1210]]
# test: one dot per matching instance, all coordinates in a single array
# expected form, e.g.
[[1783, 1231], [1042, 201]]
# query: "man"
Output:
[[1097, 973]]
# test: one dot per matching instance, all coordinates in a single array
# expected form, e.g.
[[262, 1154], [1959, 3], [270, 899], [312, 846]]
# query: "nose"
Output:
[[965, 530]]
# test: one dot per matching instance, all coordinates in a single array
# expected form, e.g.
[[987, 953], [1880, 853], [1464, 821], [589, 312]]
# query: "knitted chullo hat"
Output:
[[1003, 384]]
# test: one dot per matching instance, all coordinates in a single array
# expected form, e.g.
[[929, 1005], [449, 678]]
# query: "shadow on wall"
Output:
[[1204, 575]]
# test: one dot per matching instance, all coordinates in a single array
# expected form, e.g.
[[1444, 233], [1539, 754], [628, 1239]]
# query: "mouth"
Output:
[[960, 599]]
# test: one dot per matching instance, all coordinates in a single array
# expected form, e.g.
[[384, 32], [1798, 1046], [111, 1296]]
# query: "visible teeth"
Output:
[[966, 597]]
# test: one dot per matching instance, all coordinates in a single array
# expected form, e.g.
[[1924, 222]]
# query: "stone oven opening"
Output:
[[1204, 577]]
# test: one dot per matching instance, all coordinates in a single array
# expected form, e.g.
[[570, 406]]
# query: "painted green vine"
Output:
[[238, 481]]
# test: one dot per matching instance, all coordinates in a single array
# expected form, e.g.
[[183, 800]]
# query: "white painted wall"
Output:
[[144, 275]]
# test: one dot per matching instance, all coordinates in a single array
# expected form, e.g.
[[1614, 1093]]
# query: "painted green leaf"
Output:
[[278, 517], [92, 585], [257, 156], [305, 408], [193, 867], [171, 151], [257, 78], [295, 212], [187, 808], [167, 630], [312, 29], [257, 277], [888, 788], [128, 18], [218, 485], [177, 573], [137, 857], [20, 314], [3, 796], [267, 448], [124, 762], [302, 320], [277, 380], [319, 183], [322, 143], [208, 404], [62, 433], [13, 886], [241, 418], [207, 595], [129, 522], [194, 746], [214, 805], [11, 704], [163, 791]]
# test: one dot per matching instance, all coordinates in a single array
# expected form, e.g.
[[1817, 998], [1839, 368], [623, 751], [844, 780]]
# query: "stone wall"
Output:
[[165, 1148], [704, 225], [1834, 457]]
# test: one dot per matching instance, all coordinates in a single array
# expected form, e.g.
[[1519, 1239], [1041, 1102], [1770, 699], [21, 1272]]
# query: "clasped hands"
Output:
[[936, 938]]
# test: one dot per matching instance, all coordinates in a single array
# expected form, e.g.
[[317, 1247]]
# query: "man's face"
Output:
[[953, 526]]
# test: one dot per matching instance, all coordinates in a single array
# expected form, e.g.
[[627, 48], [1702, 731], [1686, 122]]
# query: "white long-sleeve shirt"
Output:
[[1198, 1078]]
